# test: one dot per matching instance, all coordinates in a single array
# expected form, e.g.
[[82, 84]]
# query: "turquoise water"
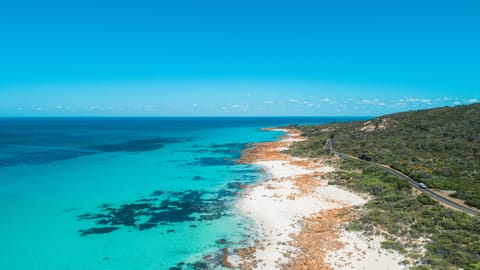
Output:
[[125, 193]]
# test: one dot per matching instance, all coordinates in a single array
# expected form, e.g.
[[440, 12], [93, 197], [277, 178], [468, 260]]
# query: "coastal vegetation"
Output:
[[439, 147], [428, 234]]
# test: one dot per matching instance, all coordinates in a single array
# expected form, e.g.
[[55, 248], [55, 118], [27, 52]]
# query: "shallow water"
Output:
[[125, 193]]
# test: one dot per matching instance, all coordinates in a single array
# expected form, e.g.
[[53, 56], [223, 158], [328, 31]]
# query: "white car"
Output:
[[422, 185]]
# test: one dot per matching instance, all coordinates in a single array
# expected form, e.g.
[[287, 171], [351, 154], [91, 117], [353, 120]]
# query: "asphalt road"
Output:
[[414, 184]]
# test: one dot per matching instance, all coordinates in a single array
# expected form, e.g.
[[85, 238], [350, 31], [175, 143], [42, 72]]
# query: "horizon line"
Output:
[[182, 116]]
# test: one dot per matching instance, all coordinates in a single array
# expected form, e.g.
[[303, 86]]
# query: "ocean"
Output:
[[126, 193]]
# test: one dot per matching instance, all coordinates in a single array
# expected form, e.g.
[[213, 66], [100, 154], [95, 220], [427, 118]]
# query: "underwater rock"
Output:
[[199, 266], [97, 230], [212, 161], [221, 241], [145, 226], [93, 216], [147, 200], [157, 193], [177, 207]]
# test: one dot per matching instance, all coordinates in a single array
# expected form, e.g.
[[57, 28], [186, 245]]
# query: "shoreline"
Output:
[[300, 216]]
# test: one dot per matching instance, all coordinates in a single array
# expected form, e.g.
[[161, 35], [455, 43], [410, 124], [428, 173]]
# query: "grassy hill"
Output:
[[440, 147]]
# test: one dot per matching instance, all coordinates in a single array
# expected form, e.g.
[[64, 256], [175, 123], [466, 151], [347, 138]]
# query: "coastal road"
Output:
[[414, 184]]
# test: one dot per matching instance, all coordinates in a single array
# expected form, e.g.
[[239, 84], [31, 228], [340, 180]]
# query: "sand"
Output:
[[362, 253], [299, 217]]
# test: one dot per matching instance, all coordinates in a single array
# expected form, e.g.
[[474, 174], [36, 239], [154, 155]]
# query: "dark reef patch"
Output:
[[166, 208], [221, 242], [97, 230], [147, 200], [157, 193], [197, 151], [232, 150], [57, 153], [226, 152], [229, 145], [43, 157], [199, 266], [210, 261], [197, 178], [229, 150], [212, 161], [146, 226], [136, 145]]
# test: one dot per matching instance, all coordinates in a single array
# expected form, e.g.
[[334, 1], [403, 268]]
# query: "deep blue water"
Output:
[[125, 193]]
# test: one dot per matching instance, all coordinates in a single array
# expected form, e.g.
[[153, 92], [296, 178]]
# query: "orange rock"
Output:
[[225, 262], [319, 235]]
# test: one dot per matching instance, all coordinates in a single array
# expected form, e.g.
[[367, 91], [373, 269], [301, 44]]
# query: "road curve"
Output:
[[414, 184]]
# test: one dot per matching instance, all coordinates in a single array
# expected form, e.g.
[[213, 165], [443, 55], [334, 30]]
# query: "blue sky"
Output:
[[236, 57]]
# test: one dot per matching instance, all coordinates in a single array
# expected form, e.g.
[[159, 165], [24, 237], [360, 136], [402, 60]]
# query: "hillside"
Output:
[[440, 147]]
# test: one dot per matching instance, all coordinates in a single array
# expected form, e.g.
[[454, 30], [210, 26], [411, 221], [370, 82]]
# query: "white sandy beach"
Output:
[[280, 208]]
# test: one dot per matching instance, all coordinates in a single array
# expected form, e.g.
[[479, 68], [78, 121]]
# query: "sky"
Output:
[[237, 58]]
